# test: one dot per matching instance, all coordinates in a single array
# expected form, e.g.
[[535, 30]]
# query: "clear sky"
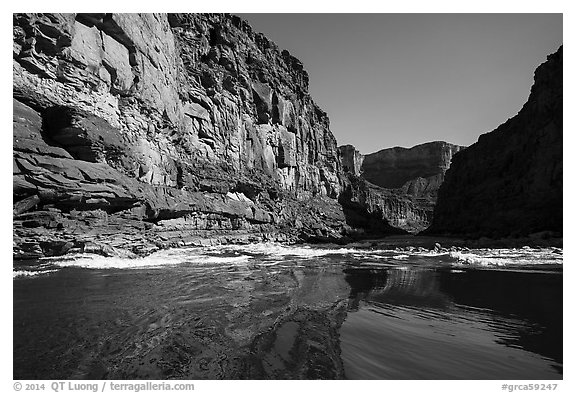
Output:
[[403, 79]]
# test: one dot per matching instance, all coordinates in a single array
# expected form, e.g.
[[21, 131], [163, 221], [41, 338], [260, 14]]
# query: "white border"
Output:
[[263, 6]]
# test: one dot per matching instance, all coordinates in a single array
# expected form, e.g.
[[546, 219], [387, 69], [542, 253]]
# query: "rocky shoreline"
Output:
[[143, 240], [52, 233]]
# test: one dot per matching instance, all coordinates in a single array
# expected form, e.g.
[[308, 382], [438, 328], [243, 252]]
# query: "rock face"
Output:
[[155, 124], [509, 183], [380, 210], [419, 171], [351, 159], [399, 185]]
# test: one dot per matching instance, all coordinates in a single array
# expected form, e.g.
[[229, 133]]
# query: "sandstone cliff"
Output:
[[399, 185], [379, 210], [509, 183], [419, 170], [166, 128], [351, 159]]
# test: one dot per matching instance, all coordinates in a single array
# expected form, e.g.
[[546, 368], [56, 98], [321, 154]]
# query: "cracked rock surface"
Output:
[[175, 128]]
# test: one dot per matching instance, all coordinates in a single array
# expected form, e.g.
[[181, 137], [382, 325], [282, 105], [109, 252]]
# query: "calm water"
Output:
[[283, 312]]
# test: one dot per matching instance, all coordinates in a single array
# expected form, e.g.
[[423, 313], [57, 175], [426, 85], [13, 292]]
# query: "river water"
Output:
[[269, 311]]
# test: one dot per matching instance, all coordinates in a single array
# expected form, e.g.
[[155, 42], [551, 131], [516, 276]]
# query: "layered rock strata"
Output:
[[351, 159], [169, 129], [509, 183], [419, 170], [378, 210], [398, 185]]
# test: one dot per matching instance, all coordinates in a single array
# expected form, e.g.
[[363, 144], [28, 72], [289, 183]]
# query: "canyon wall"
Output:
[[163, 126], [351, 159], [509, 183], [398, 185], [134, 132], [419, 170]]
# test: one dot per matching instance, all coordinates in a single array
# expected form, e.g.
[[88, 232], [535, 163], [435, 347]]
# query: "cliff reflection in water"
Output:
[[403, 286], [287, 313], [251, 320], [452, 324]]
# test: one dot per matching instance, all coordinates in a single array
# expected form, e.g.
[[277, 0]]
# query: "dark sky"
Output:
[[403, 79]]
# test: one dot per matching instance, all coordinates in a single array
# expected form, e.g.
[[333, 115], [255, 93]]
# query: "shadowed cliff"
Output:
[[509, 183]]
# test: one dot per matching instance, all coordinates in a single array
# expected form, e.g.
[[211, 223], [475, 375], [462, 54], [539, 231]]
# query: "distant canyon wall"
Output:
[[399, 184], [410, 168]]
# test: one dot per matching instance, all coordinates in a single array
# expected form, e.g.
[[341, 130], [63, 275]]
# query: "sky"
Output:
[[390, 80]]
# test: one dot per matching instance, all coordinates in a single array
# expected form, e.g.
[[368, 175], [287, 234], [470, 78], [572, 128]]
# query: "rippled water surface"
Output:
[[271, 311]]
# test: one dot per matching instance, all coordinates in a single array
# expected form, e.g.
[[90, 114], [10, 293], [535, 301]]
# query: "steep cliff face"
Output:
[[418, 170], [381, 210], [509, 183], [399, 185], [161, 123], [351, 159]]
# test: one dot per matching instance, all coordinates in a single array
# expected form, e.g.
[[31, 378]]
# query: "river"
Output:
[[271, 311]]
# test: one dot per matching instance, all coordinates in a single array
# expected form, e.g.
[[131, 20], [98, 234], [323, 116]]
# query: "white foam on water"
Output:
[[281, 250], [156, 260], [28, 273], [508, 257], [429, 253], [275, 253]]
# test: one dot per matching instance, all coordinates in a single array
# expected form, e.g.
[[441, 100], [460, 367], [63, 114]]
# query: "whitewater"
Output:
[[276, 253]]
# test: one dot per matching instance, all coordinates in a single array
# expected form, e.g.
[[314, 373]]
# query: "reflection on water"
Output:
[[440, 324], [279, 312], [411, 286]]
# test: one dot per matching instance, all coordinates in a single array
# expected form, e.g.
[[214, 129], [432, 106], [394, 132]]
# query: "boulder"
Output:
[[25, 204]]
